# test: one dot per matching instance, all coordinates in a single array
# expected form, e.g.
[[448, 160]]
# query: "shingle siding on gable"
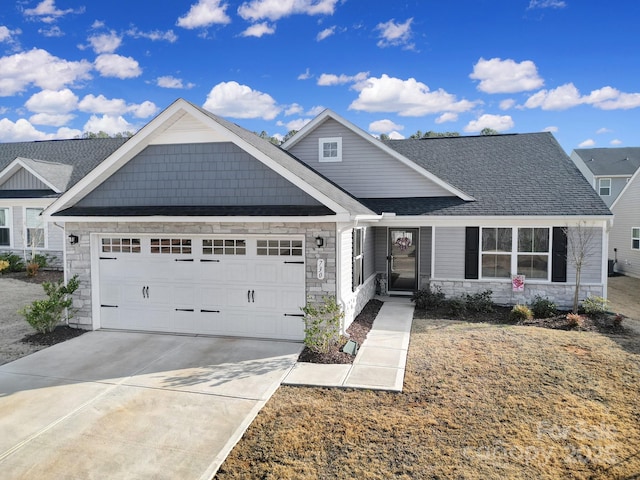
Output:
[[23, 180], [365, 170], [195, 174], [627, 216]]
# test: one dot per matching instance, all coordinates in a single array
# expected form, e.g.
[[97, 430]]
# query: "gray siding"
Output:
[[23, 180], [196, 174], [425, 255], [627, 216], [592, 268], [449, 252], [617, 185], [365, 170], [381, 235], [369, 252]]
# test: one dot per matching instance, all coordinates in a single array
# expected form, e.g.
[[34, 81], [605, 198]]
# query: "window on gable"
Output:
[[604, 187], [635, 238], [34, 224], [5, 228], [330, 149], [522, 251], [358, 257]]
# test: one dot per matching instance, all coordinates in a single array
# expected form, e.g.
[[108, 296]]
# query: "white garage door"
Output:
[[218, 285]]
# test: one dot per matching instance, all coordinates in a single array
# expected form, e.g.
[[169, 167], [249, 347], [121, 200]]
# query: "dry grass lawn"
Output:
[[480, 401]]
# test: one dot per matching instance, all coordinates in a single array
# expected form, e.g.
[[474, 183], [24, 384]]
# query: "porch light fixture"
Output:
[[319, 241], [73, 239]]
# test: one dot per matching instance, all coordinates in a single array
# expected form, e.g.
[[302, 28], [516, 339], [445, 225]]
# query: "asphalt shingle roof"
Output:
[[521, 174], [610, 161]]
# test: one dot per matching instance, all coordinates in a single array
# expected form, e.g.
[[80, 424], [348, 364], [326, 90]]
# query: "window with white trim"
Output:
[[635, 238], [330, 149], [522, 251], [120, 245], [5, 228], [358, 257], [604, 187], [35, 228]]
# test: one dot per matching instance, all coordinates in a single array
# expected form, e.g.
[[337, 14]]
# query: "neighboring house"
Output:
[[608, 170], [196, 225], [32, 176], [624, 243]]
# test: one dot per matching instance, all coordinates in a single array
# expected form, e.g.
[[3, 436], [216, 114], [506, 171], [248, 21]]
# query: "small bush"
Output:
[[15, 262], [45, 315], [32, 269], [3, 265], [617, 320], [595, 306], [543, 307], [456, 306], [426, 298], [479, 302], [41, 260], [520, 312], [322, 324], [574, 320]]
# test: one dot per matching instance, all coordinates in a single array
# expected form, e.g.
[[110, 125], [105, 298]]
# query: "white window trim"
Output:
[[514, 253], [635, 238], [355, 258], [26, 246], [322, 141], [9, 226], [600, 187]]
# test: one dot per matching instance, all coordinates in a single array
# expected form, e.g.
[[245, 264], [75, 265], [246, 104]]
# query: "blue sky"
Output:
[[390, 66]]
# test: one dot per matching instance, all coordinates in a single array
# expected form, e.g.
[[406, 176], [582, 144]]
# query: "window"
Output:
[[358, 257], [283, 248], [220, 246], [635, 238], [35, 228], [120, 245], [509, 251], [171, 245], [330, 149], [5, 228], [604, 187]]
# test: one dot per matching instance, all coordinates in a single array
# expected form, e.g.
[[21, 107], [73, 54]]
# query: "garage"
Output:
[[232, 285]]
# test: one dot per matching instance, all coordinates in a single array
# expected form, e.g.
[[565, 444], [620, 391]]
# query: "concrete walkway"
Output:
[[380, 362]]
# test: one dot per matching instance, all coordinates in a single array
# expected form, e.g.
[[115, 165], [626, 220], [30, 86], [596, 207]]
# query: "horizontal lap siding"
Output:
[[449, 252], [627, 216], [365, 170], [592, 269], [380, 234], [425, 253]]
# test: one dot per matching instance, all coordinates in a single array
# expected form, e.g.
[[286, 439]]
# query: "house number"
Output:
[[320, 269]]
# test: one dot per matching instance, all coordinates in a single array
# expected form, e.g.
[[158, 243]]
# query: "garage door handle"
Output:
[[253, 296], [145, 292], [248, 296], [209, 311]]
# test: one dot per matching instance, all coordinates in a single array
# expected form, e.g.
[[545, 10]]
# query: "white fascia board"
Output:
[[182, 219], [26, 202], [309, 127], [611, 176], [19, 163], [409, 221], [633, 178]]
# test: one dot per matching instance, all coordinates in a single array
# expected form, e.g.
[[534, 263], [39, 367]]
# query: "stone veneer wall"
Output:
[[79, 255], [354, 305], [559, 293]]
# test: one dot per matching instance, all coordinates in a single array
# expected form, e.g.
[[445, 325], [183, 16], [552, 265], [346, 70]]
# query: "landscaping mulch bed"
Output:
[[62, 333], [357, 332], [41, 277]]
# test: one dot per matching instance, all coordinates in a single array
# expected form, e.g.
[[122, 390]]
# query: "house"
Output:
[[32, 176], [608, 170], [196, 225], [624, 243]]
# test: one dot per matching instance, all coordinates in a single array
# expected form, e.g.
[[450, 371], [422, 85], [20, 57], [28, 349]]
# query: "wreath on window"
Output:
[[403, 243]]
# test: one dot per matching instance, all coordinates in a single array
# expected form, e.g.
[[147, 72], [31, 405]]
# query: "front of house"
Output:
[[198, 226]]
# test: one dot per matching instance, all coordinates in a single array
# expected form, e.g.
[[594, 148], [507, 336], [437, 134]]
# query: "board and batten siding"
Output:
[[195, 174], [23, 180], [449, 252], [627, 217], [365, 170]]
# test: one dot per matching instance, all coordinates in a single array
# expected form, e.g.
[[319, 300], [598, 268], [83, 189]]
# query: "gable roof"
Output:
[[610, 161], [634, 178], [520, 174], [54, 175]]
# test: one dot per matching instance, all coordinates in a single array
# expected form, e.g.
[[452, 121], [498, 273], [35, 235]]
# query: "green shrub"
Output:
[[322, 324], [479, 302], [543, 307], [15, 262], [426, 298], [41, 260], [456, 306], [595, 306], [45, 315], [520, 312]]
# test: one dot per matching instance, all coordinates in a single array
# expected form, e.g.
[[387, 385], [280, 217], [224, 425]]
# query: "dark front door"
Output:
[[403, 259]]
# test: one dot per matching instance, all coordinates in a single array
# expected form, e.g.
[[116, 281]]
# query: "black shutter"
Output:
[[559, 255], [471, 252]]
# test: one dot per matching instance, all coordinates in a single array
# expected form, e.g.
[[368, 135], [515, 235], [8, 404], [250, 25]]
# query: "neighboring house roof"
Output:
[[610, 161], [60, 164], [520, 174]]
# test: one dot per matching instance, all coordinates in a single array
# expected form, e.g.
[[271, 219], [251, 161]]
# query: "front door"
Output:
[[403, 259]]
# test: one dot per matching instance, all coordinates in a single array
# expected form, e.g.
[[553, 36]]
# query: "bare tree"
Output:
[[580, 248]]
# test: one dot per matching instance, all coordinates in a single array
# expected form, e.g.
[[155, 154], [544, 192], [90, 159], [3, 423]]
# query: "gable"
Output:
[[23, 180], [366, 170]]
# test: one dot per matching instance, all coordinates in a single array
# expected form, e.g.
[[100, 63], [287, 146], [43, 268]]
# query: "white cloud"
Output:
[[587, 143], [394, 34], [396, 136], [7, 35], [329, 79], [169, 81], [40, 68], [20, 131], [205, 13], [293, 109], [239, 101], [617, 101], [154, 35], [304, 76], [408, 98], [495, 122], [52, 32], [143, 110], [447, 117], [276, 9], [327, 32], [47, 12], [507, 104], [105, 42], [384, 126], [567, 96], [550, 128], [615, 142], [294, 124], [259, 29], [51, 119], [315, 111], [547, 4], [602, 130], [116, 107], [114, 65], [108, 124], [52, 102], [506, 76]]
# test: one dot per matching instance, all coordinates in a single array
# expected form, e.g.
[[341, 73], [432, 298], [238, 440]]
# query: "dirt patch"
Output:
[[61, 333]]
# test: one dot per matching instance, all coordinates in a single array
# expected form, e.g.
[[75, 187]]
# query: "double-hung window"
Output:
[[604, 187], [635, 238], [509, 251], [34, 224], [358, 257], [5, 228], [533, 252], [497, 246]]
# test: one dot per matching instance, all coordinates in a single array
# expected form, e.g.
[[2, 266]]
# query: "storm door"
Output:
[[403, 259]]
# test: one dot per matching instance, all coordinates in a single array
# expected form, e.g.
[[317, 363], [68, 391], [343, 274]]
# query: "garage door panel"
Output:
[[292, 274], [236, 272], [291, 328], [213, 296]]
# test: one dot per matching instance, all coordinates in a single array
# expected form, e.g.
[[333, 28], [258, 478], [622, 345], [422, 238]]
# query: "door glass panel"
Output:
[[403, 259]]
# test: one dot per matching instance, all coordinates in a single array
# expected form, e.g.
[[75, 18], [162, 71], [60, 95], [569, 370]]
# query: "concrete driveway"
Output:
[[134, 405]]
